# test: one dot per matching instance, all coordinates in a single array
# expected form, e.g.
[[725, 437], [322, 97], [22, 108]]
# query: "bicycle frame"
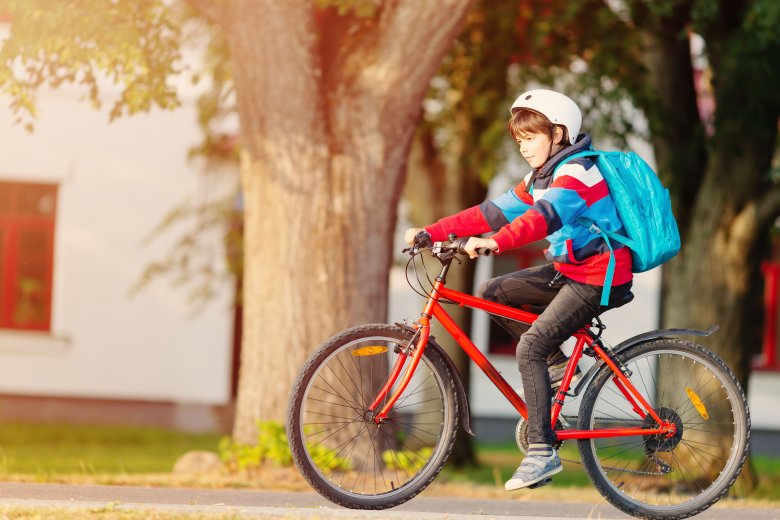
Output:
[[584, 338]]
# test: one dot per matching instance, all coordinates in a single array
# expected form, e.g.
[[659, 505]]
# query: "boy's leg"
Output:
[[569, 310], [574, 306], [530, 289]]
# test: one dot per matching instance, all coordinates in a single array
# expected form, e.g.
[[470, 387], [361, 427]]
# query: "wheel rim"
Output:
[[689, 390], [341, 441]]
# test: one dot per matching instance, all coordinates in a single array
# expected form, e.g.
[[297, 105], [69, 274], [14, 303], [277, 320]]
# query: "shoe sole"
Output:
[[510, 486]]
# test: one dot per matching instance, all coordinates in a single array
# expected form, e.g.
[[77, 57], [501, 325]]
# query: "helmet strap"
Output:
[[552, 142]]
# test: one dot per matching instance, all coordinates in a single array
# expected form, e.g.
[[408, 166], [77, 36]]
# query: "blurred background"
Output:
[[195, 194]]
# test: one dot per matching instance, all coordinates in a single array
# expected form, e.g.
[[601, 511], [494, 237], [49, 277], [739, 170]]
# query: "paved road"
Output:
[[265, 504]]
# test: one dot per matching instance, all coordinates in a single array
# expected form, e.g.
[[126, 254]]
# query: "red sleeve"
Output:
[[529, 227], [468, 222]]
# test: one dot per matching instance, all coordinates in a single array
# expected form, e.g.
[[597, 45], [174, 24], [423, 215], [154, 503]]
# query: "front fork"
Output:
[[417, 348]]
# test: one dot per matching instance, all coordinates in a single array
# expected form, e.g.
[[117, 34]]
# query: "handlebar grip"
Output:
[[460, 245], [483, 251], [422, 239]]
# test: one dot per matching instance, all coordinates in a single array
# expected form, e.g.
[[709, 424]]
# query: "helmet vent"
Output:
[[528, 97]]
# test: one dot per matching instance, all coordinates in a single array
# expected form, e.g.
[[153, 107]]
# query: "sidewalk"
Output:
[[265, 504]]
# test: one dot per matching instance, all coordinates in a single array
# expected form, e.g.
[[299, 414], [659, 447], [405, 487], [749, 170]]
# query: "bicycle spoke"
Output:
[[359, 390], [336, 392], [355, 456], [340, 447], [351, 419]]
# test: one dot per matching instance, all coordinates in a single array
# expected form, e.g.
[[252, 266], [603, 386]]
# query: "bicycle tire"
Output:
[[696, 390], [424, 467]]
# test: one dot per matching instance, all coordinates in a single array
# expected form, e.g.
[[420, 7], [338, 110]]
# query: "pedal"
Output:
[[663, 467], [540, 483]]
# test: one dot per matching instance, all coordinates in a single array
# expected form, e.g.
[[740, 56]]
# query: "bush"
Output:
[[273, 448]]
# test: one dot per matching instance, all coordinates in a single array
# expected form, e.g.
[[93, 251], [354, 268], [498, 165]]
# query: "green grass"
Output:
[[53, 449], [767, 465]]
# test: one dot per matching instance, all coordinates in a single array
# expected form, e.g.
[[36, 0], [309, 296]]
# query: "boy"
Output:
[[566, 292]]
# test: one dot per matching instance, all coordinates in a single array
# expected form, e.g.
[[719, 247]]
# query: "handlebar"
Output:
[[422, 240]]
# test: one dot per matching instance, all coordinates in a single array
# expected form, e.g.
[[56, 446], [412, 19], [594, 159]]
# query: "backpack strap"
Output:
[[593, 228]]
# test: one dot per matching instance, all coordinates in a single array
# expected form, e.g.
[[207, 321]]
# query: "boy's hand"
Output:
[[475, 243], [410, 234]]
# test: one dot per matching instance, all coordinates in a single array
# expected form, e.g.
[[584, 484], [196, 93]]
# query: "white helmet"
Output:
[[558, 108]]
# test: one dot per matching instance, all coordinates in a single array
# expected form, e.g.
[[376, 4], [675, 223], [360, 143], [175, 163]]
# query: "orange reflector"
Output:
[[369, 351], [697, 403]]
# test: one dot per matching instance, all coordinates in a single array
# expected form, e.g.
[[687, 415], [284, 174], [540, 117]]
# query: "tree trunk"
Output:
[[325, 135]]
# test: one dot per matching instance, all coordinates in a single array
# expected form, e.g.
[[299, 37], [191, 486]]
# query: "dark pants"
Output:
[[563, 307]]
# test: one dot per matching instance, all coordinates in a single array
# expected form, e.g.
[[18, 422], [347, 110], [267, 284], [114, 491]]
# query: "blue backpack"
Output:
[[644, 208]]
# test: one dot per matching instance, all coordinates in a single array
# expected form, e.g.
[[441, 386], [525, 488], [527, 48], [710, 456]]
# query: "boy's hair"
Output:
[[527, 121]]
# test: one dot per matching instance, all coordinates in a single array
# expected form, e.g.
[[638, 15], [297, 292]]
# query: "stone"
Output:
[[197, 462]]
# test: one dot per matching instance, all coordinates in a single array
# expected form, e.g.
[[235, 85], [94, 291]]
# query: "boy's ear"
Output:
[[558, 135]]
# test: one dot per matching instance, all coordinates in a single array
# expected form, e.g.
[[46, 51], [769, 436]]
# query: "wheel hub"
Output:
[[369, 416], [661, 441]]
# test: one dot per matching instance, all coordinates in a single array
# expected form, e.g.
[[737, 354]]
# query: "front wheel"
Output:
[[335, 443], [660, 476]]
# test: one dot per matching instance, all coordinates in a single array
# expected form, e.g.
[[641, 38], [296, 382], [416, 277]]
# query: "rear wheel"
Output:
[[655, 476], [336, 444]]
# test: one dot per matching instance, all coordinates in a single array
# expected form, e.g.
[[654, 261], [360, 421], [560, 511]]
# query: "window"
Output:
[[27, 221]]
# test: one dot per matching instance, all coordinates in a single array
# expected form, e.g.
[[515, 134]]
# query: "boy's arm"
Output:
[[491, 215], [571, 193]]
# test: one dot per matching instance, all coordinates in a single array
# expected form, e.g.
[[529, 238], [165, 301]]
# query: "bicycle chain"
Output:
[[623, 470]]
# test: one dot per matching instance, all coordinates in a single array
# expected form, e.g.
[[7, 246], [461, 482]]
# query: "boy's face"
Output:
[[534, 148]]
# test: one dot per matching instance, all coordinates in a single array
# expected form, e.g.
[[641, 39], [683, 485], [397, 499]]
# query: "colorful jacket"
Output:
[[550, 209]]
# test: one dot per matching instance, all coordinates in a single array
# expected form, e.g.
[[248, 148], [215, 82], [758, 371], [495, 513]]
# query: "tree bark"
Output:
[[325, 143]]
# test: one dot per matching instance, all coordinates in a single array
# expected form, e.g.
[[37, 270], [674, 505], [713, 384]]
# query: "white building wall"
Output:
[[117, 182]]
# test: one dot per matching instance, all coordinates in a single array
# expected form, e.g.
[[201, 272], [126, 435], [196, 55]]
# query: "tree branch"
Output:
[[215, 10], [768, 207]]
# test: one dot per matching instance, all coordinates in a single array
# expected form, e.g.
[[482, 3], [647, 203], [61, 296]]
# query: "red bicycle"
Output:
[[663, 427]]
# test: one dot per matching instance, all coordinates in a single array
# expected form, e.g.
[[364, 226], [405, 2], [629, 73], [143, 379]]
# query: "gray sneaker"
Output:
[[534, 469], [556, 376], [557, 372]]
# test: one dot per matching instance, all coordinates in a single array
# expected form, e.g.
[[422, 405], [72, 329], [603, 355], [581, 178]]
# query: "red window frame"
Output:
[[27, 225], [768, 359]]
